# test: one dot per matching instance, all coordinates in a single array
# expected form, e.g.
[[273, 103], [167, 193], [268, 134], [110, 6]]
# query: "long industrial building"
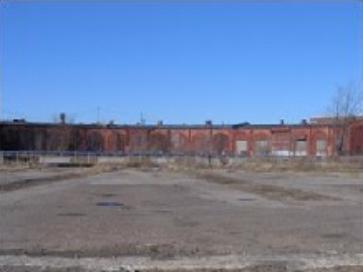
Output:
[[318, 137]]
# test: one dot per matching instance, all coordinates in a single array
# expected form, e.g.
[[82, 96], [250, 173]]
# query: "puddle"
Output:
[[72, 214], [110, 204], [108, 195], [246, 199]]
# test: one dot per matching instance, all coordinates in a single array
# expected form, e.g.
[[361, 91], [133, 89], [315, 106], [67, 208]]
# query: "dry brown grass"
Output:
[[142, 162], [298, 165], [14, 167], [80, 173], [272, 192], [304, 165]]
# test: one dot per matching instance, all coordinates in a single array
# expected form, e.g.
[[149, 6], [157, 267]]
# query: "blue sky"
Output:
[[181, 62]]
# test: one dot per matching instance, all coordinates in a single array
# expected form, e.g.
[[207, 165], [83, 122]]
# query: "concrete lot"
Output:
[[157, 216]]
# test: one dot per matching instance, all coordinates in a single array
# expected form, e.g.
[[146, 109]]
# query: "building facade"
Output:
[[305, 139]]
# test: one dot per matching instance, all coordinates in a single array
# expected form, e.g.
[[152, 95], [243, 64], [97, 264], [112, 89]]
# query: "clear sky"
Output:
[[180, 62]]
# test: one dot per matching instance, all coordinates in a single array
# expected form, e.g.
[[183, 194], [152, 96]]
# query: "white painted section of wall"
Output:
[[301, 153], [321, 148], [241, 147], [281, 153], [111, 159]]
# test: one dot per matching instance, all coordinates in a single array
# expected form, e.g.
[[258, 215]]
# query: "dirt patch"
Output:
[[272, 192], [29, 182], [24, 183]]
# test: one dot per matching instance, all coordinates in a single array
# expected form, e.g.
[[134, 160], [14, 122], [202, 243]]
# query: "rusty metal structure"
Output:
[[248, 140]]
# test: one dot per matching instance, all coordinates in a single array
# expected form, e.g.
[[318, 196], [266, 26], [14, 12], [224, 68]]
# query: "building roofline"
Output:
[[166, 126]]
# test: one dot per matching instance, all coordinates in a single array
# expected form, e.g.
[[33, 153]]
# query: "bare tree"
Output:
[[345, 107]]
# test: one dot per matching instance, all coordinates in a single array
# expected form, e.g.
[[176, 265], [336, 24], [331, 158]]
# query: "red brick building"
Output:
[[306, 139]]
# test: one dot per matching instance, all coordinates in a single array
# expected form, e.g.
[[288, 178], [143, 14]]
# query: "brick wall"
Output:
[[202, 140]]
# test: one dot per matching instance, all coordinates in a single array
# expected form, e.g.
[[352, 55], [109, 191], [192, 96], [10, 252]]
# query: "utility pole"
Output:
[[142, 119], [98, 114], [1, 77], [1, 97]]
